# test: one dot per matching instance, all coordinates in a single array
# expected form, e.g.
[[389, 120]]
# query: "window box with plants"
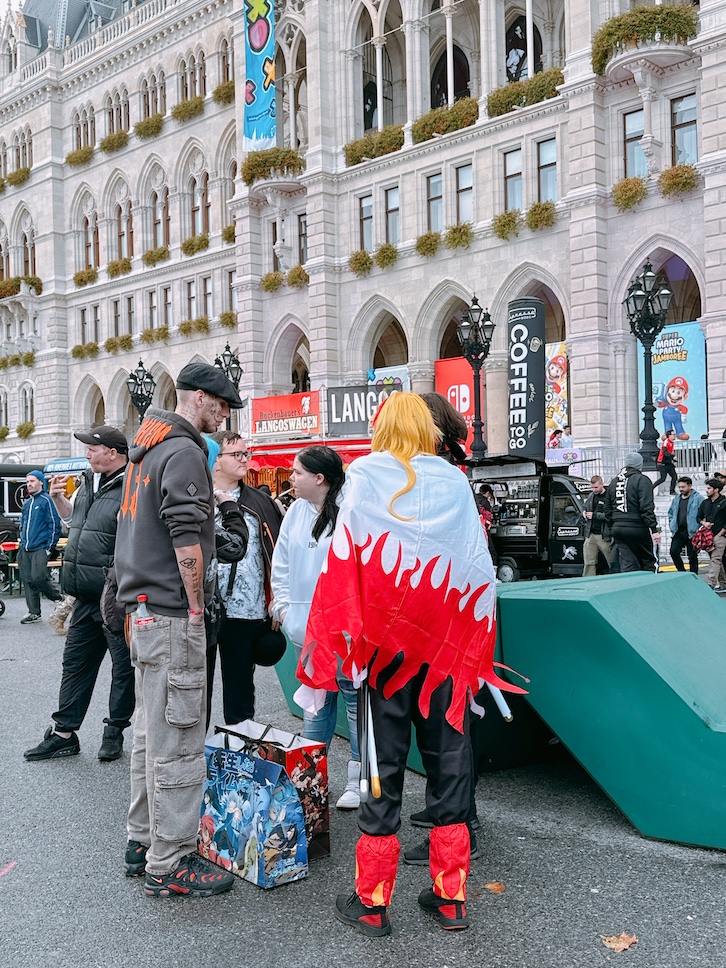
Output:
[[228, 319], [3, 185], [153, 256], [118, 267], [360, 262], [628, 193], [667, 24], [462, 114], [189, 109], [541, 215], [126, 342], [272, 163], [25, 429], [385, 255], [113, 142], [228, 234], [190, 326], [28, 359], [195, 244], [4, 431], [375, 144], [428, 244], [224, 93], [297, 277], [523, 94], [19, 176], [678, 180], [112, 345], [149, 127], [15, 359], [271, 281], [459, 236], [507, 224], [11, 286], [79, 157], [85, 277]]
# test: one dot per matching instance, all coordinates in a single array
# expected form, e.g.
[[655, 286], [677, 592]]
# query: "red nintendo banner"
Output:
[[291, 415], [455, 381]]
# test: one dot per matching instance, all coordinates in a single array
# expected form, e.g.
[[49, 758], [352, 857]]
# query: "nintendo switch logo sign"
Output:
[[459, 397]]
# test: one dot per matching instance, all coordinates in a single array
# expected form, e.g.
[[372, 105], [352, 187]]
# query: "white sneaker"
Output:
[[350, 800]]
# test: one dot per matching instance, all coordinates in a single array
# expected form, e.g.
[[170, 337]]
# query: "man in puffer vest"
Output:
[[91, 517]]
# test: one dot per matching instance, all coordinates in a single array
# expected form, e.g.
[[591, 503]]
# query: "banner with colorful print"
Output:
[[260, 124], [679, 381], [556, 401]]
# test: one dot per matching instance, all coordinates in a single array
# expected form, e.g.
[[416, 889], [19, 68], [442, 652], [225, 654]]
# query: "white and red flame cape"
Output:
[[423, 588]]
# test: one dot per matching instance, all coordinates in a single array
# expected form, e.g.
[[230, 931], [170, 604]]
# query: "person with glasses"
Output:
[[246, 630]]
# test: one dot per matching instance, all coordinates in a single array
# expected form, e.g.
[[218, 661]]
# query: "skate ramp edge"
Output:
[[629, 672]]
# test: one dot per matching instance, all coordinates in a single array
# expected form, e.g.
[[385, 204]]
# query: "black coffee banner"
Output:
[[526, 377]]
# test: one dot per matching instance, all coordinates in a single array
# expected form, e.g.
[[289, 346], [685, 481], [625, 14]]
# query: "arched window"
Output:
[[439, 83], [370, 90], [4, 255], [3, 159], [153, 95], [26, 150], [4, 416], [28, 244], [193, 78], [84, 128], [226, 67], [124, 115], [201, 85], [117, 112], [91, 247], [161, 218], [199, 203], [124, 231], [27, 404], [517, 68]]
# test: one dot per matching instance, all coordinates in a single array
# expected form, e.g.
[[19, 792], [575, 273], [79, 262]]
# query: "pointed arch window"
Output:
[[161, 218], [28, 246], [4, 257], [439, 80], [153, 95], [193, 77], [370, 87], [516, 53], [4, 416], [124, 231], [3, 159], [91, 246], [199, 203], [27, 404], [226, 65]]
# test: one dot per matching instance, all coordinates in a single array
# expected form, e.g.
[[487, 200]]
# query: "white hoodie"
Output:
[[297, 562]]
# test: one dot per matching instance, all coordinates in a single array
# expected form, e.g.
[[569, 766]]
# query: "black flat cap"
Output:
[[108, 436], [203, 376]]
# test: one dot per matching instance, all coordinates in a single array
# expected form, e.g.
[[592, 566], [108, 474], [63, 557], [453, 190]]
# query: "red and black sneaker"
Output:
[[193, 877], [135, 858], [371, 921], [451, 914]]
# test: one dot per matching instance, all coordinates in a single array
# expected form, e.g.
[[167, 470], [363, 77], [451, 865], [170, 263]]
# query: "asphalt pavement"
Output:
[[572, 866]]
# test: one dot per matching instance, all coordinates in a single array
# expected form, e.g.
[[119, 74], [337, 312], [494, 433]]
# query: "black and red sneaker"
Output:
[[371, 921], [135, 858], [451, 914], [193, 877]]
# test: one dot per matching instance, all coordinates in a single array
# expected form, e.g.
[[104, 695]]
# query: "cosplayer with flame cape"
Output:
[[407, 599]]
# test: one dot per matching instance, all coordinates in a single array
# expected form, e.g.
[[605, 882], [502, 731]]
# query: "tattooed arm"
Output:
[[191, 568]]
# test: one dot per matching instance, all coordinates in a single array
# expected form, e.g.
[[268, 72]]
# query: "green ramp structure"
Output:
[[629, 671]]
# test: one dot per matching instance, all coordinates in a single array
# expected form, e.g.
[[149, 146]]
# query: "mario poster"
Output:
[[556, 402], [679, 381]]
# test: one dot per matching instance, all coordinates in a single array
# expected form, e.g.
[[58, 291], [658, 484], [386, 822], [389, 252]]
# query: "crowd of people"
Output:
[[381, 577]]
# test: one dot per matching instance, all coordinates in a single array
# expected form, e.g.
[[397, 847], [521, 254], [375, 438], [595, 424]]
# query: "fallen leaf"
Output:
[[495, 887], [618, 942]]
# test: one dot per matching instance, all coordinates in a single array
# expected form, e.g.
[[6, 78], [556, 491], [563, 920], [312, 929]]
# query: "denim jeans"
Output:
[[321, 725], [167, 758]]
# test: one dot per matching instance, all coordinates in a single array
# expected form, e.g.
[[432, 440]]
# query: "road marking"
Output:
[[6, 870]]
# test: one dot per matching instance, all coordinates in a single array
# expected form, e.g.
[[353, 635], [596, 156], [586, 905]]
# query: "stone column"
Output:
[[448, 11], [496, 403], [379, 43], [422, 375]]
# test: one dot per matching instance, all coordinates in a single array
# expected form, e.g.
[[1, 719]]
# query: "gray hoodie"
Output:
[[166, 503]]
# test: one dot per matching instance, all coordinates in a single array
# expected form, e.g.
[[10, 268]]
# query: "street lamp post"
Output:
[[474, 333], [228, 362], [141, 385], [647, 305]]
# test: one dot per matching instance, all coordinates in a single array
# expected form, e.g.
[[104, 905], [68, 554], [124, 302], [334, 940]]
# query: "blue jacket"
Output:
[[694, 503], [40, 526]]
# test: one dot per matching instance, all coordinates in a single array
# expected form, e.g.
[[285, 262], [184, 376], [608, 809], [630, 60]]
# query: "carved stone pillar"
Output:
[[496, 403]]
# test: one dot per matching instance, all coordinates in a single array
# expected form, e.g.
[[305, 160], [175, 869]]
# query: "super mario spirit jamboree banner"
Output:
[[556, 400], [679, 381], [260, 126]]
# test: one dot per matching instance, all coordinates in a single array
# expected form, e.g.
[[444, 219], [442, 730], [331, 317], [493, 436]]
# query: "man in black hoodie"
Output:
[[166, 573], [630, 515]]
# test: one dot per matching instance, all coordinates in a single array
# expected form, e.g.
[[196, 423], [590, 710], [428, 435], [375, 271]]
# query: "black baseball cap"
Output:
[[204, 376], [108, 436]]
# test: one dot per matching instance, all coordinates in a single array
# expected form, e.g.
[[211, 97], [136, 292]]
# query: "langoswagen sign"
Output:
[[526, 377], [293, 415]]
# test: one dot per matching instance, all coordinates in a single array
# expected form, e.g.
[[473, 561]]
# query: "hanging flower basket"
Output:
[[112, 345], [360, 262], [507, 223], [152, 256], [119, 267], [24, 430], [126, 342], [385, 255], [297, 277], [195, 243], [541, 215], [427, 245], [85, 277], [79, 157], [187, 110], [228, 319], [272, 281], [224, 93], [149, 127], [459, 236], [19, 176], [113, 142], [4, 431], [678, 180], [228, 234], [628, 193]]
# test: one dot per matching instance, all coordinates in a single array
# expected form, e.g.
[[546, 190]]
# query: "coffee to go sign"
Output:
[[526, 377], [292, 415]]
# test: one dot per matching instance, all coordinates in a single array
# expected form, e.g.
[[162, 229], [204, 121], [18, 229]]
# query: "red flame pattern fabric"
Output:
[[449, 860], [420, 591], [376, 863]]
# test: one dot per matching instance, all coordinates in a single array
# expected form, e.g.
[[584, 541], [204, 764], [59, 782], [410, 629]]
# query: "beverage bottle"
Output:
[[143, 615]]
